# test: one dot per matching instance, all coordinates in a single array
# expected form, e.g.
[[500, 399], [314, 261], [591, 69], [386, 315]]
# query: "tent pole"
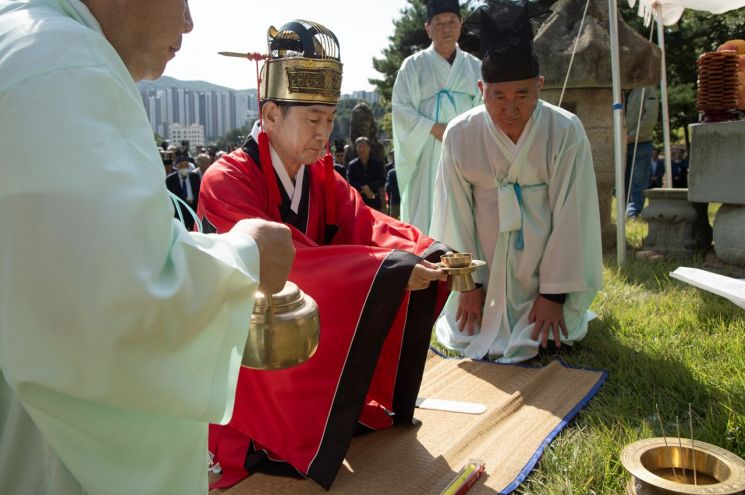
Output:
[[663, 93], [618, 135]]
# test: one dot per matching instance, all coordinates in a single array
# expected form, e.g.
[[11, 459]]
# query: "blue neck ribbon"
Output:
[[520, 240], [451, 97]]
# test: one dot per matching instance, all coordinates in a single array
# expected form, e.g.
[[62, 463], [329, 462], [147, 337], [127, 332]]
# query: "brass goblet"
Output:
[[459, 267]]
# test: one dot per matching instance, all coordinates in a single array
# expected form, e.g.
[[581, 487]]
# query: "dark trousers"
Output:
[[640, 179]]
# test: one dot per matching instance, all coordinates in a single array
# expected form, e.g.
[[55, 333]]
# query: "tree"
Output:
[[234, 138], [408, 37]]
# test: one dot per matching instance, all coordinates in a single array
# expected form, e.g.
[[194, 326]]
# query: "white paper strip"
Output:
[[450, 405], [729, 288]]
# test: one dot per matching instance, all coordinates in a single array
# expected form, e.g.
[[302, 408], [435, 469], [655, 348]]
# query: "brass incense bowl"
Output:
[[459, 267], [665, 467], [456, 260], [284, 330]]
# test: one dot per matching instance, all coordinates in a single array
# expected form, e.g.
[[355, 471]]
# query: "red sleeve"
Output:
[[360, 224]]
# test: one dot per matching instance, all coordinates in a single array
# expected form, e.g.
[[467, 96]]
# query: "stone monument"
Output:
[[363, 124], [589, 92]]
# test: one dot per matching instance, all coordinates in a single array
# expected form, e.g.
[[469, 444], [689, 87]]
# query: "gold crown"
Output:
[[303, 66]]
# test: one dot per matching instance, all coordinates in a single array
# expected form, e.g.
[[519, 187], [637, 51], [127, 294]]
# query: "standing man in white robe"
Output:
[[121, 334], [433, 86], [516, 187]]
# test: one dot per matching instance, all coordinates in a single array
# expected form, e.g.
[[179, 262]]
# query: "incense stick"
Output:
[[690, 420], [680, 444], [664, 437]]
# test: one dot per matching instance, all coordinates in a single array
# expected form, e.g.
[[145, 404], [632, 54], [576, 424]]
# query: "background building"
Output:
[[185, 106], [193, 133], [217, 109]]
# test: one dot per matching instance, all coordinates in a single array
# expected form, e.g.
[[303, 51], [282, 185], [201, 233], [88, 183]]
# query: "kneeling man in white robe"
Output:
[[516, 188]]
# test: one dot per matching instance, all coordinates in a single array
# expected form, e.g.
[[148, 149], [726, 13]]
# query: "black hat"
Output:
[[435, 7], [339, 145], [180, 157], [505, 32], [166, 158]]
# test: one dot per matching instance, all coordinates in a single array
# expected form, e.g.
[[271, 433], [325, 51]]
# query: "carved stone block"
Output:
[[671, 219]]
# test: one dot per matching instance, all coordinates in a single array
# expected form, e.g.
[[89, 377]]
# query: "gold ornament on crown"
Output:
[[303, 65]]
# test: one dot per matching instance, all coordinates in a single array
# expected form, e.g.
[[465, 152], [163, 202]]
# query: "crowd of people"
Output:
[[374, 181], [679, 166], [120, 322]]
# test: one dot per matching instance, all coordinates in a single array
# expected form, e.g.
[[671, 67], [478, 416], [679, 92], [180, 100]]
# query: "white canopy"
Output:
[[673, 9]]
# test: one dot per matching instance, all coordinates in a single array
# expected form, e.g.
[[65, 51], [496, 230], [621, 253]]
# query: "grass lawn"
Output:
[[663, 343]]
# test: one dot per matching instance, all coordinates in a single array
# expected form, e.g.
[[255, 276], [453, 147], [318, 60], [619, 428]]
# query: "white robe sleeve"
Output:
[[452, 216], [410, 128], [572, 259], [105, 298]]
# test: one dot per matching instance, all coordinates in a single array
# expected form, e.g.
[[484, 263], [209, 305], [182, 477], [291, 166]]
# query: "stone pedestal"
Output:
[[729, 234], [671, 220], [717, 175]]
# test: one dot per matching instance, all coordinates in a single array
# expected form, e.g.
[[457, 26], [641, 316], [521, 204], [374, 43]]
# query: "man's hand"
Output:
[[367, 191], [437, 131], [276, 251], [423, 274], [470, 310], [548, 316]]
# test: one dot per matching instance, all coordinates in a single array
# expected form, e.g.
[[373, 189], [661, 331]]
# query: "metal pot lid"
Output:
[[290, 295]]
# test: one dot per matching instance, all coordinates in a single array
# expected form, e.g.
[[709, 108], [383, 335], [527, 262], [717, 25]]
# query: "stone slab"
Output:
[[717, 163]]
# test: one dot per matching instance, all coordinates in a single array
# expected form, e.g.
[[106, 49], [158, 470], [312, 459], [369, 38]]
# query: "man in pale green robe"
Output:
[[516, 188], [432, 87], [121, 334]]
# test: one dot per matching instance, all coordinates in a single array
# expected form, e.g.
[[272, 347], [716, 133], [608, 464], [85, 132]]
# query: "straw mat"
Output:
[[526, 408]]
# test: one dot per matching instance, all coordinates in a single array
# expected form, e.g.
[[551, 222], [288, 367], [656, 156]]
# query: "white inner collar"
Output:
[[294, 191], [506, 141]]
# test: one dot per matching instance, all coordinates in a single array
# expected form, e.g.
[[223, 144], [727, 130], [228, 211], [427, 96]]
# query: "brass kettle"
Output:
[[284, 330]]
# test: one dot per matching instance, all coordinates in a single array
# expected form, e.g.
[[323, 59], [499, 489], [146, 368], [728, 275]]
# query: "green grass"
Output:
[[664, 343]]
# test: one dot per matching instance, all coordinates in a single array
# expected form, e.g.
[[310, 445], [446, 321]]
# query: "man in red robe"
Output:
[[372, 277]]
